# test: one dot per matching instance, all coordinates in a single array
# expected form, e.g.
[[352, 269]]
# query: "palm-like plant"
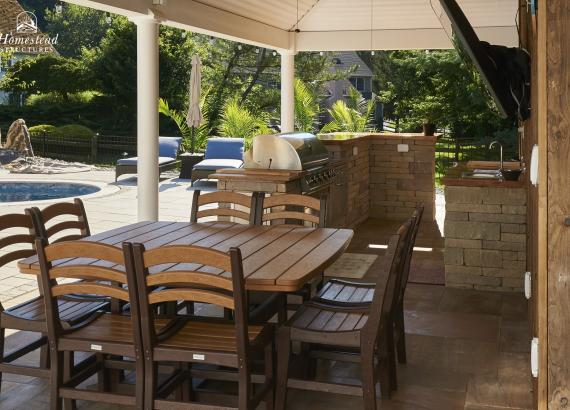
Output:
[[193, 139], [307, 107], [354, 115], [238, 122]]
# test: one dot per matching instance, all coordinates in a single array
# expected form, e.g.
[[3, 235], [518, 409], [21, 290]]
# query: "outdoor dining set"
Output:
[[175, 315]]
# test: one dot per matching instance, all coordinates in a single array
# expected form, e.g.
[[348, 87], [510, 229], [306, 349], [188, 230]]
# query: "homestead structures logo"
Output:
[[26, 23], [26, 38]]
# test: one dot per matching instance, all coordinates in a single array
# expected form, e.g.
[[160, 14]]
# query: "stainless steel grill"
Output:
[[296, 151]]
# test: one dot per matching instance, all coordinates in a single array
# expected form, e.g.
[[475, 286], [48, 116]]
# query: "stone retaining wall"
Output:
[[485, 237]]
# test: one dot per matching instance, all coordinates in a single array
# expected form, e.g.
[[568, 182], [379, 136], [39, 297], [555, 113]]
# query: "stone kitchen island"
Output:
[[377, 175], [485, 230]]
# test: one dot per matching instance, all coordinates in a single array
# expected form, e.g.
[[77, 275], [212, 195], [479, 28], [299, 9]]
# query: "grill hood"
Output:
[[296, 151]]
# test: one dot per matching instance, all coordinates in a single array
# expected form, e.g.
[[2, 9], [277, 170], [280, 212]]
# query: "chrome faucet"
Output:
[[493, 144]]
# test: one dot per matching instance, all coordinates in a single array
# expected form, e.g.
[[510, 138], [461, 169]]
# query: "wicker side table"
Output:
[[188, 160]]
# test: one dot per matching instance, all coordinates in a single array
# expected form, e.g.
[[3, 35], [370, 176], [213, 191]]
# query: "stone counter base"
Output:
[[485, 238]]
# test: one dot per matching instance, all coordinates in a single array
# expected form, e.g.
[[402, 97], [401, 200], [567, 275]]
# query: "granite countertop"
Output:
[[454, 177], [350, 137]]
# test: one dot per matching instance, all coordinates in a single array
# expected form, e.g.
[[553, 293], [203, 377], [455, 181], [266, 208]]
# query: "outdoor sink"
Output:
[[482, 174]]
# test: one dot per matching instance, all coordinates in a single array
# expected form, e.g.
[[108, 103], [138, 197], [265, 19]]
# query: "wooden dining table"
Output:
[[276, 258]]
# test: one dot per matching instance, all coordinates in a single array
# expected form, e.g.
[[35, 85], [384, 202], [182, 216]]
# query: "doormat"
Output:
[[351, 265]]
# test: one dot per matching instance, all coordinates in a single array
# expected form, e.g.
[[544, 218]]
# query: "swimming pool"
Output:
[[42, 191]]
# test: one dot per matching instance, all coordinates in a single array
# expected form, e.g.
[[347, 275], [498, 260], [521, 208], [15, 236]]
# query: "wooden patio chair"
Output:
[[343, 292], [292, 209], [228, 201], [262, 305], [17, 229], [104, 333], [347, 333], [78, 221], [191, 340]]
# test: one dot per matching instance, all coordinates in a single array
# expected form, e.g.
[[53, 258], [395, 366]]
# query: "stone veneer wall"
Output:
[[399, 181], [357, 178], [384, 183], [485, 237]]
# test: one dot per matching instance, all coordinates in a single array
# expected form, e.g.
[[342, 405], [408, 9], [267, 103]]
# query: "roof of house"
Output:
[[348, 59], [15, 22]]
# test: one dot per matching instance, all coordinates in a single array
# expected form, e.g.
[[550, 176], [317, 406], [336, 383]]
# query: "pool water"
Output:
[[41, 191]]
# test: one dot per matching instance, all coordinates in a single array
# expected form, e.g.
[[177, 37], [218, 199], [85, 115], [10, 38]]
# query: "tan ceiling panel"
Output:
[[347, 15]]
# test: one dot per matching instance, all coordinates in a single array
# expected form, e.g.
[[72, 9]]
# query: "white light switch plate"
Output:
[[403, 148]]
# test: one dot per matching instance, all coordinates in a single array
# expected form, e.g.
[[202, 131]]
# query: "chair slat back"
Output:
[[16, 229], [292, 208], [225, 206], [106, 278], [47, 229], [416, 218], [383, 303], [215, 278]]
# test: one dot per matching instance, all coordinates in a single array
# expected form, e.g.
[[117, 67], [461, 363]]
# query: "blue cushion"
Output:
[[169, 146], [215, 164], [224, 148], [134, 160]]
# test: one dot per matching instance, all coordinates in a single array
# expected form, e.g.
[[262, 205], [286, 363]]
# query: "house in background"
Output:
[[361, 79], [19, 38]]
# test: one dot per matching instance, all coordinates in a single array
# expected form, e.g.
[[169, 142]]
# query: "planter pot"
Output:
[[429, 129], [189, 159]]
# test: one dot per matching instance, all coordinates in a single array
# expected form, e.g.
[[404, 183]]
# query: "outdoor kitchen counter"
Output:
[[454, 177], [344, 138], [388, 173], [381, 175], [485, 229], [251, 180]]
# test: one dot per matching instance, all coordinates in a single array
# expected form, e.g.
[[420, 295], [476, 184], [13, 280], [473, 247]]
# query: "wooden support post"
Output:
[[557, 168]]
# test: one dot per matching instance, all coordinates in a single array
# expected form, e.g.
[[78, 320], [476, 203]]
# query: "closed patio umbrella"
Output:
[[194, 118]]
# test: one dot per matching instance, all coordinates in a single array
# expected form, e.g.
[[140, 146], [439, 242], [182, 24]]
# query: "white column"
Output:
[[287, 91], [147, 118]]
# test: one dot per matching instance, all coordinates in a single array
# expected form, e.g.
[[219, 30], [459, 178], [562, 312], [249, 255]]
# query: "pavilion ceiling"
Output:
[[327, 24]]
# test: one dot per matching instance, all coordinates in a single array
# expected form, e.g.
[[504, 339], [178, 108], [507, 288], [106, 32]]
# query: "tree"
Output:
[[114, 66], [47, 74], [77, 28], [441, 86]]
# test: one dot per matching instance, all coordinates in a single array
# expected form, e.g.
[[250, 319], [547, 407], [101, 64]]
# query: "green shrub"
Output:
[[84, 97], [75, 131], [40, 129]]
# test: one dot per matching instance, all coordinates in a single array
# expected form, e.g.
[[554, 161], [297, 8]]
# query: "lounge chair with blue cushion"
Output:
[[220, 153], [168, 148]]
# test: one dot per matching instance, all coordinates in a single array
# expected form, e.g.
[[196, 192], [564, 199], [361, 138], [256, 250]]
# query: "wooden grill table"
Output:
[[276, 258]]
